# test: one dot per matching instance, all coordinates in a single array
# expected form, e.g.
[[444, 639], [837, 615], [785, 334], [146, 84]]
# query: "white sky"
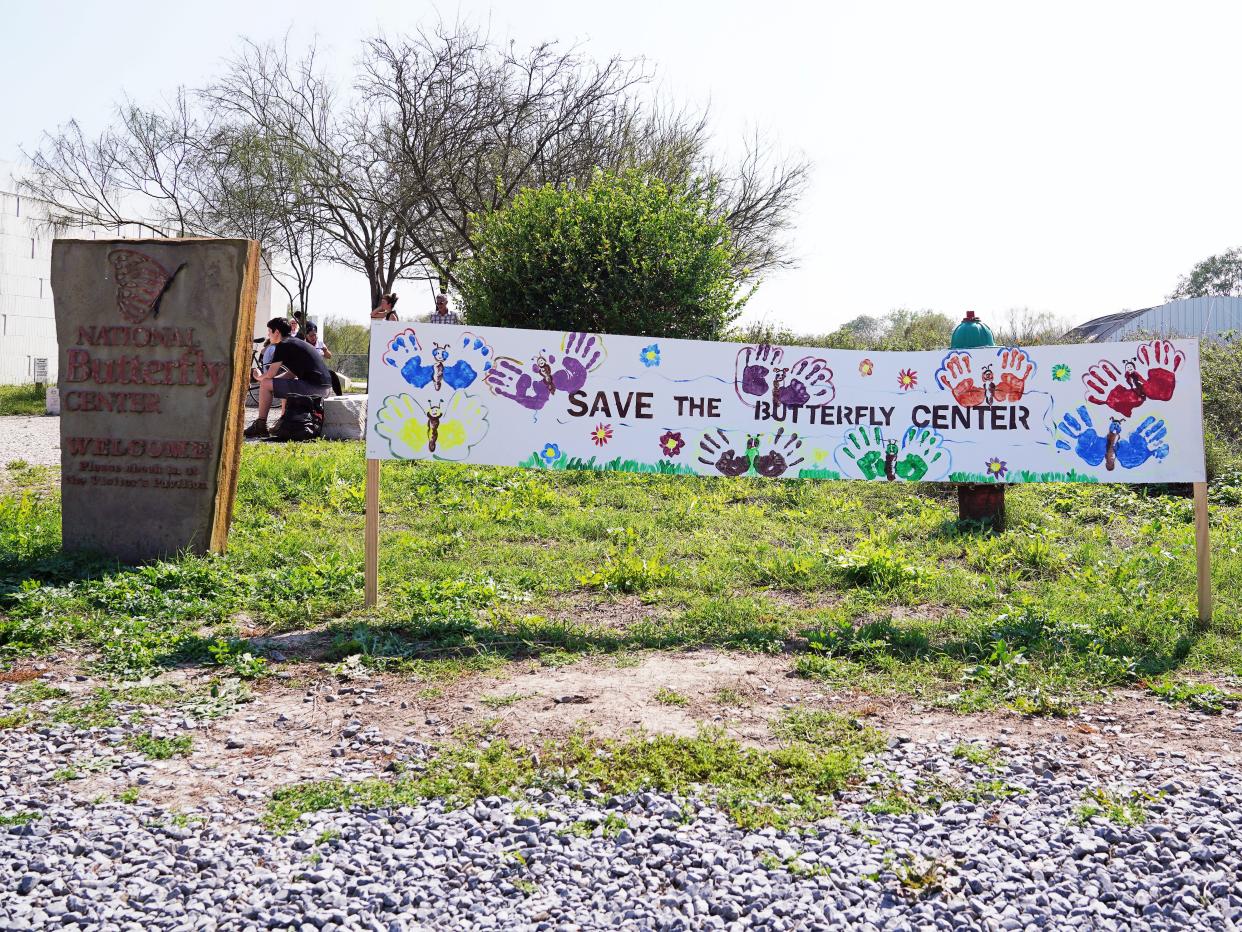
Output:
[[1071, 157]]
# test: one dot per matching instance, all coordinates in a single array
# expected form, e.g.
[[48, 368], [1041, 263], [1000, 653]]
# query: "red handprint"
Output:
[[1105, 387], [1016, 368], [954, 374], [1157, 363]]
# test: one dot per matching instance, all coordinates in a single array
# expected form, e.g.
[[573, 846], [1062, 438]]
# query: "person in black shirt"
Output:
[[296, 369]]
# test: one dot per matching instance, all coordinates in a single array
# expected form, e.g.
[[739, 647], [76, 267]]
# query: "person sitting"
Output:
[[442, 314], [296, 369], [313, 338], [385, 309]]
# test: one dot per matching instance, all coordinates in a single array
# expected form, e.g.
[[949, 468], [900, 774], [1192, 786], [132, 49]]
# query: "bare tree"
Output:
[[471, 123], [351, 191], [177, 171]]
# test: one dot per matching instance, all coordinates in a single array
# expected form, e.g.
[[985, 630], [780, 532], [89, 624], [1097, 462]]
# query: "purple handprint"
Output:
[[548, 374], [754, 363], [507, 380], [582, 354]]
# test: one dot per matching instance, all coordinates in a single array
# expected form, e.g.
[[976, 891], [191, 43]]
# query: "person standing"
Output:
[[296, 369], [442, 314]]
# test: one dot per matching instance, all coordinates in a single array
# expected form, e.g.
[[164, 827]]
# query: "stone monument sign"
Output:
[[154, 350]]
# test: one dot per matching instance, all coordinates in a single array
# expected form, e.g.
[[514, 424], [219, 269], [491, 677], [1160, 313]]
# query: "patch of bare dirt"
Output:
[[290, 730]]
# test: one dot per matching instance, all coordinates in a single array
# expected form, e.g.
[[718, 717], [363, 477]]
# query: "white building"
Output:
[[27, 320], [27, 328]]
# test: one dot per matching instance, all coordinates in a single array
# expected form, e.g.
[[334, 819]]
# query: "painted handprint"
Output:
[[1081, 437], [863, 452], [779, 459], [1105, 386], [1156, 364], [456, 363], [758, 373], [718, 451], [1145, 442], [923, 456], [531, 386], [415, 430], [754, 365], [955, 374], [1015, 368]]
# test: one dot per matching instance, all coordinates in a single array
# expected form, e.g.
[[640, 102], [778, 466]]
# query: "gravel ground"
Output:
[[1015, 857], [33, 439]]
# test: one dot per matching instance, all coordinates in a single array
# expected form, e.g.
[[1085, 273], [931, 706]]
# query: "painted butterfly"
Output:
[[141, 283], [436, 430]]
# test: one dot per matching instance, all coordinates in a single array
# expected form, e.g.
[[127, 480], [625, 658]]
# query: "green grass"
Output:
[[162, 748], [869, 586], [666, 696], [22, 400], [790, 784], [1117, 806]]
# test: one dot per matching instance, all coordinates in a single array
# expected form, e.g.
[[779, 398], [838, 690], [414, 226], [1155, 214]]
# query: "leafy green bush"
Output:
[[624, 254]]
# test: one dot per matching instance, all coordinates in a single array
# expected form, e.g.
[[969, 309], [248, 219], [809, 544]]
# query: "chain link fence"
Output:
[[352, 365]]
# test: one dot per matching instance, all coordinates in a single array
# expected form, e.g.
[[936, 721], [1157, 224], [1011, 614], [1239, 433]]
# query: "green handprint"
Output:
[[861, 453], [912, 468], [922, 449]]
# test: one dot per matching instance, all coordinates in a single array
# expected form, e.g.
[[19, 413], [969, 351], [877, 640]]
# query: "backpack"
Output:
[[302, 420]]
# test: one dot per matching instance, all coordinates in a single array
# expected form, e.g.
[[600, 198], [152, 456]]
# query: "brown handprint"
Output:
[[955, 375], [721, 455], [777, 460], [1106, 387], [1016, 367], [1157, 363]]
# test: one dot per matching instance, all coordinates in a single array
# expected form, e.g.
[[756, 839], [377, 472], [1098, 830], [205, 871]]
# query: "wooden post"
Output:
[[372, 558], [1203, 554]]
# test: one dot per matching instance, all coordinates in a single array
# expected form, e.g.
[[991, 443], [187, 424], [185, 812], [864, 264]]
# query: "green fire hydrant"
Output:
[[978, 501]]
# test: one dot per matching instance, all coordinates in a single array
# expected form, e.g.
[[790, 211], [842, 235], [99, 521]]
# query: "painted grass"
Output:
[[1023, 475], [869, 585]]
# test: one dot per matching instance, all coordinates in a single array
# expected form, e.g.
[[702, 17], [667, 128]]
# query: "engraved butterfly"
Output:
[[141, 283], [456, 362], [433, 430]]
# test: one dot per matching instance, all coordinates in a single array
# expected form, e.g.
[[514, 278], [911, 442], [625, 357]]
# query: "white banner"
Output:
[[1103, 412]]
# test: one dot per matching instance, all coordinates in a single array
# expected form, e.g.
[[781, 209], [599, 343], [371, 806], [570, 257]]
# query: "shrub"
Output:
[[624, 254]]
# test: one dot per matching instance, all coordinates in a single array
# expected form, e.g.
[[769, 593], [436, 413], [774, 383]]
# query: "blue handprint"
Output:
[[404, 354], [1090, 446], [1143, 443]]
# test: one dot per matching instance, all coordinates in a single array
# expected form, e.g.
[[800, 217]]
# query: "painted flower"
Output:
[[671, 443], [996, 467], [602, 434], [866, 367], [1061, 372], [650, 355], [907, 379], [550, 453]]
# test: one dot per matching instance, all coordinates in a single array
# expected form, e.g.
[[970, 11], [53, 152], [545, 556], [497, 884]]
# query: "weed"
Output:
[[666, 696], [979, 754], [35, 691], [129, 795], [25, 817], [238, 659], [161, 748], [65, 774], [729, 697], [502, 702], [1115, 805], [1202, 697], [327, 835], [528, 887], [920, 876], [627, 567]]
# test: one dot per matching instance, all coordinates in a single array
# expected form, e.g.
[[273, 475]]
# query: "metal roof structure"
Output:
[[1209, 318]]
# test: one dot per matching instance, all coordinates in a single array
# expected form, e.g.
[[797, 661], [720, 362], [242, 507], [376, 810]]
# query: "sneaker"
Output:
[[255, 430]]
